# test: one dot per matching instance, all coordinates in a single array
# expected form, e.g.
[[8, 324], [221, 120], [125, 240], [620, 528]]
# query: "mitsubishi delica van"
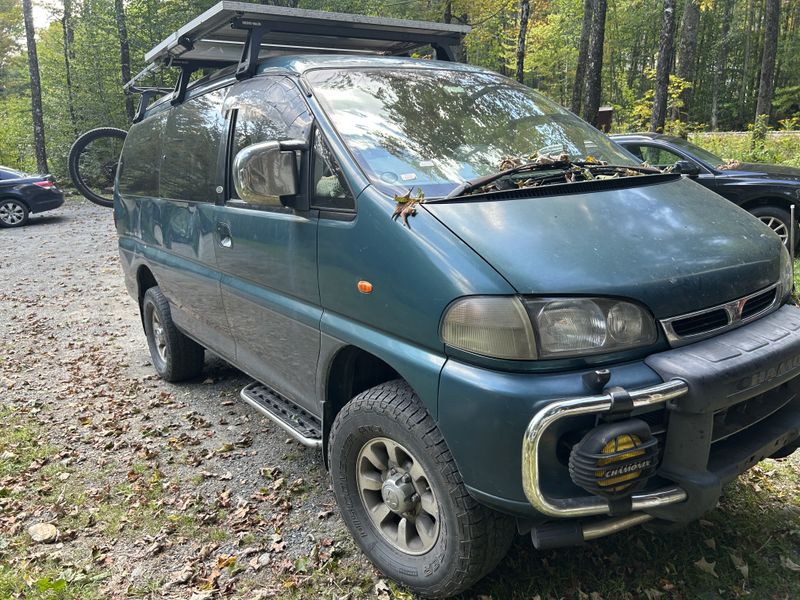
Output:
[[490, 318]]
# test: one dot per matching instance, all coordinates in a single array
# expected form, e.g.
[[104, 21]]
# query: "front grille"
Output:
[[734, 419], [684, 329], [701, 323], [759, 303]]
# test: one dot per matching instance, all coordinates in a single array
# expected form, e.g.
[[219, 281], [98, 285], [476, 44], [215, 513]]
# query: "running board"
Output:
[[295, 420]]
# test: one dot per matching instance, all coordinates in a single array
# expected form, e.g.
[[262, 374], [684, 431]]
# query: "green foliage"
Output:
[[778, 147], [10, 31], [637, 118]]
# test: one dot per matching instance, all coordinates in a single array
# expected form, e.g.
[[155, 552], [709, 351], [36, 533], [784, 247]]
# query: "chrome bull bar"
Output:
[[570, 407]]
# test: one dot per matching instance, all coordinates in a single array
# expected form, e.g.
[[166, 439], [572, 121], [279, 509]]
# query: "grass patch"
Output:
[[778, 147], [47, 582], [19, 445], [25, 570]]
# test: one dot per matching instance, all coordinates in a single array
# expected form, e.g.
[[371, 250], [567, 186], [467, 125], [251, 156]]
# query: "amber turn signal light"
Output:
[[365, 287]]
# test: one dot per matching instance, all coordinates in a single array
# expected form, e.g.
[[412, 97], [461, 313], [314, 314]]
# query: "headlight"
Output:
[[520, 329], [581, 326], [495, 326], [787, 273]]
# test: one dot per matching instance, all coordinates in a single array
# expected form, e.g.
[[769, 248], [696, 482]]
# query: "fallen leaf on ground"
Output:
[[788, 563], [706, 566]]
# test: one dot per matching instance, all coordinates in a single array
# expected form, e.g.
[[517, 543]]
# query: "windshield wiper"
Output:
[[540, 165]]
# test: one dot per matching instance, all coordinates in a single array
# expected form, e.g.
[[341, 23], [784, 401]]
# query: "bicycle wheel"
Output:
[[93, 161]]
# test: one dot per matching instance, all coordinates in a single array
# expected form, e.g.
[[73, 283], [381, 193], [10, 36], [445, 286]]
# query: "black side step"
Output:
[[295, 420]]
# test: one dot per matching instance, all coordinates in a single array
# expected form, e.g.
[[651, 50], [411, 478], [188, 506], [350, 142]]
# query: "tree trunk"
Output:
[[594, 73], [448, 12], [524, 14], [583, 55], [663, 67], [686, 52], [765, 87], [746, 62], [124, 54], [720, 63], [66, 26], [36, 89]]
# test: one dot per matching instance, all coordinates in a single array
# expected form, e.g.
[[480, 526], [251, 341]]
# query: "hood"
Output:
[[674, 246], [765, 171]]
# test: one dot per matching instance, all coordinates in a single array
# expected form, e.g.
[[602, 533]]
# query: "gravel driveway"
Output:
[[134, 487], [169, 490]]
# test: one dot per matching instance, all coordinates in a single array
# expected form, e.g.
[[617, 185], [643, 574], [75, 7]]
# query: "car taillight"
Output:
[[45, 184]]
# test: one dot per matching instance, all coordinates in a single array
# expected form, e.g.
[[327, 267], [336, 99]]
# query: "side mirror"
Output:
[[685, 167], [266, 173]]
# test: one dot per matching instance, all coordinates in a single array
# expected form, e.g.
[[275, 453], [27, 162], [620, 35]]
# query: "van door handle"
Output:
[[224, 235]]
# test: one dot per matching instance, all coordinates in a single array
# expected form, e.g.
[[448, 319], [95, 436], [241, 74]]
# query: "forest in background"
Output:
[[678, 66]]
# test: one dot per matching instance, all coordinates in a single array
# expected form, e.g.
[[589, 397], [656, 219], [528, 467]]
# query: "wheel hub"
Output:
[[399, 495]]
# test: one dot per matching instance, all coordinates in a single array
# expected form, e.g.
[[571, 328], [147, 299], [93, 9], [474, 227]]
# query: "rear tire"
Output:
[[13, 213], [778, 220], [462, 544], [175, 357]]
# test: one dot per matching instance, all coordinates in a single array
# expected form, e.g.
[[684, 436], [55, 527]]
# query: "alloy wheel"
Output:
[[159, 337], [397, 496], [11, 213], [777, 226]]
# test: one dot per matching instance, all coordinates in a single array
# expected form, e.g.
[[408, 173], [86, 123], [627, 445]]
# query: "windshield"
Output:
[[697, 151], [432, 129]]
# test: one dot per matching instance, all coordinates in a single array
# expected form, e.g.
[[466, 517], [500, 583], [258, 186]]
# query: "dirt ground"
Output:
[[168, 490], [182, 491]]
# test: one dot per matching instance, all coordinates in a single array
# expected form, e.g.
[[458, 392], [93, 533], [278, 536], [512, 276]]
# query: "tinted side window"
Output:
[[267, 108], [191, 148], [636, 150], [329, 187], [141, 157], [659, 157]]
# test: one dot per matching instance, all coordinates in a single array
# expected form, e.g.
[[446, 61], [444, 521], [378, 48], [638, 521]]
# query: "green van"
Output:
[[490, 318]]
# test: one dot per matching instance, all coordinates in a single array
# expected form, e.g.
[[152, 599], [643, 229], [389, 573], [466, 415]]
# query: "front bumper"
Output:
[[703, 448]]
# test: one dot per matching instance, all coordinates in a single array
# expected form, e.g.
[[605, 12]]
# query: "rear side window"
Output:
[[267, 109], [191, 149], [658, 157], [141, 157]]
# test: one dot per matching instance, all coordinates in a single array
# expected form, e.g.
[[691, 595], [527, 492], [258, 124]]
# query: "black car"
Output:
[[22, 194], [766, 191]]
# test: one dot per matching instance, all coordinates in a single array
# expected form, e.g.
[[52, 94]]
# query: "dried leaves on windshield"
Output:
[[407, 205], [566, 171]]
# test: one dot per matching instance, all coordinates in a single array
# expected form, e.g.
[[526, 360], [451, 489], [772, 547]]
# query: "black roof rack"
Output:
[[239, 33]]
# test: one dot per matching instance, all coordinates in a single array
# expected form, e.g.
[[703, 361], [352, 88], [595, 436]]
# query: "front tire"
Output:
[[402, 497], [13, 213], [175, 357]]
